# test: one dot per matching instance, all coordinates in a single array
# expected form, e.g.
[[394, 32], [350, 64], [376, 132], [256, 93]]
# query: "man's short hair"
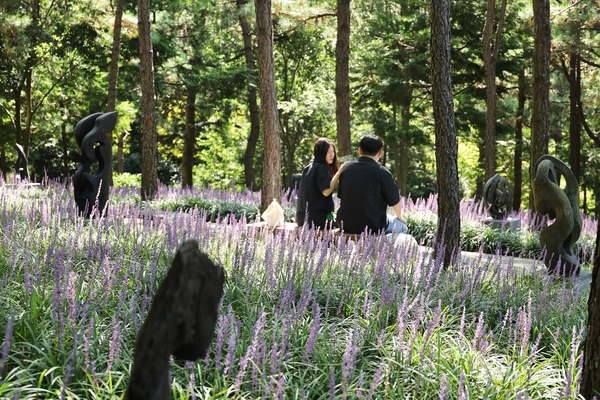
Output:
[[370, 145]]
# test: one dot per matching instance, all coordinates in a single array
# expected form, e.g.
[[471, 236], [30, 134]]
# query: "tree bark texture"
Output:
[[113, 72], [34, 34], [590, 385], [149, 187], [540, 104], [518, 160], [342, 84], [254, 135], [574, 115], [406, 100], [271, 185], [490, 60], [446, 152], [189, 141]]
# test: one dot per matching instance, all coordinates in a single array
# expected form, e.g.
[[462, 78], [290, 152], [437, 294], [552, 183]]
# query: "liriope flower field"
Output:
[[302, 317]]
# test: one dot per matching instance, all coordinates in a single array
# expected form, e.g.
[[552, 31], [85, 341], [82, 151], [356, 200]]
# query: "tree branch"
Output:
[[588, 62], [12, 120], [499, 29], [592, 135]]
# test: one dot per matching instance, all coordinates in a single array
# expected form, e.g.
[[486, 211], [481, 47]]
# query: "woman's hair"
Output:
[[320, 153]]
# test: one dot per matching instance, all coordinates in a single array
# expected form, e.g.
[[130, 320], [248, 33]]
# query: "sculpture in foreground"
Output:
[[180, 322], [92, 134], [561, 205]]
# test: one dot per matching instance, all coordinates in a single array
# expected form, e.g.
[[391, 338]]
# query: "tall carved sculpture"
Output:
[[562, 206], [93, 138], [180, 322], [497, 197], [21, 167]]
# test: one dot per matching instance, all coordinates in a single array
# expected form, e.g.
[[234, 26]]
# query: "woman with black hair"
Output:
[[319, 178]]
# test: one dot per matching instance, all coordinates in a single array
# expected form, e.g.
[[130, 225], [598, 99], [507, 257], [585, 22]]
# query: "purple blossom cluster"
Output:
[[333, 317]]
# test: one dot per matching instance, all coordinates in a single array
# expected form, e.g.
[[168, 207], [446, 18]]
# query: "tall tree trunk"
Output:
[[590, 385], [446, 151], [490, 59], [149, 187], [518, 160], [271, 186], [574, 115], [189, 142], [65, 147], [253, 137], [28, 112], [18, 115], [113, 72], [540, 103], [406, 101], [34, 35], [342, 84]]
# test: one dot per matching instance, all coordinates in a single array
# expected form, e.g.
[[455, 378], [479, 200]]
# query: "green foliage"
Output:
[[214, 208], [127, 179], [475, 236]]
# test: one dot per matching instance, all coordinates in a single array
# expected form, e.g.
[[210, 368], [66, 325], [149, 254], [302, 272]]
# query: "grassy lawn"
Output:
[[301, 318]]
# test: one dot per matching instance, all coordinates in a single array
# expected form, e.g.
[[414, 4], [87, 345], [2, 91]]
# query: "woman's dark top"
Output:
[[315, 179]]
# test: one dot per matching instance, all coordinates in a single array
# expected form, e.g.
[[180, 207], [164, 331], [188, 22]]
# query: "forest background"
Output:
[[55, 61]]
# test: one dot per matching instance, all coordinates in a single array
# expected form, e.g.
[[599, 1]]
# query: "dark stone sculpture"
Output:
[[21, 167], [497, 197], [180, 322], [93, 138], [561, 205], [294, 185]]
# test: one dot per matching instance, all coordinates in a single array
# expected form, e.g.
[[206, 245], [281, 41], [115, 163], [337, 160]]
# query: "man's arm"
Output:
[[398, 211]]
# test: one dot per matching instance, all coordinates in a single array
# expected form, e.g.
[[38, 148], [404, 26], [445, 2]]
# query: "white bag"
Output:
[[273, 215]]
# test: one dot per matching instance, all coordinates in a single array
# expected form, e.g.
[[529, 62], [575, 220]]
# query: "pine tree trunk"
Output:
[[342, 84], [446, 154], [189, 142], [590, 385], [490, 59], [271, 186], [518, 160], [149, 187], [574, 115], [113, 72], [253, 137], [540, 104]]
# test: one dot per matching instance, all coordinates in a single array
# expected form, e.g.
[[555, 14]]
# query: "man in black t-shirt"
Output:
[[366, 189]]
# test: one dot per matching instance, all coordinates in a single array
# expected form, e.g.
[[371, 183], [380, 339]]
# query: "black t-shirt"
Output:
[[315, 179], [366, 188]]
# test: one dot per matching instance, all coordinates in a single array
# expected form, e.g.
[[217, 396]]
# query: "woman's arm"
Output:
[[334, 180]]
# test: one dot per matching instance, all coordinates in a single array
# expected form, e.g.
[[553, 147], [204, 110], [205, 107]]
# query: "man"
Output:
[[366, 188]]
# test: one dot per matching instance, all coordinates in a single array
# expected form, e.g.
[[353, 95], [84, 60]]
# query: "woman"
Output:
[[319, 178]]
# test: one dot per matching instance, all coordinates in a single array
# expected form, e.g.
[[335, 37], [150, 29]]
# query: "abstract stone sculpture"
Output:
[[21, 166], [180, 322], [93, 138], [497, 197], [561, 205]]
